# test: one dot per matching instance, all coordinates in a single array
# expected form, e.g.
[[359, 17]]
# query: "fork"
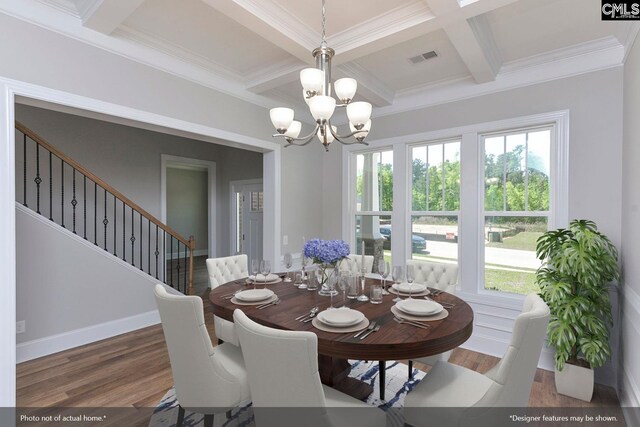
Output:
[[274, 302], [409, 322], [444, 304], [376, 329]]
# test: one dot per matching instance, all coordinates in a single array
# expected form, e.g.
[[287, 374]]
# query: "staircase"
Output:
[[59, 188]]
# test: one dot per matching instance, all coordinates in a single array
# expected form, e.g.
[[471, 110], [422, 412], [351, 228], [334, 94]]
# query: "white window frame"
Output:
[[482, 213], [470, 258], [411, 212]]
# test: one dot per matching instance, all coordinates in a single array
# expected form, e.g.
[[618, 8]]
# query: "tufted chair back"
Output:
[[353, 263], [436, 275], [226, 269], [223, 270], [204, 376]]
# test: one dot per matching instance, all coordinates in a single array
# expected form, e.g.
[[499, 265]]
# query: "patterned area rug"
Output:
[[397, 387]]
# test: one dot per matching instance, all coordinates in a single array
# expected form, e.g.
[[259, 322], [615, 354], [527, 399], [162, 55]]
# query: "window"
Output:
[[374, 203], [516, 206], [435, 201], [257, 200]]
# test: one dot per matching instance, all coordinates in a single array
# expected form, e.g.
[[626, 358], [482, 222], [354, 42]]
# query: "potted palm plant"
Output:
[[578, 265]]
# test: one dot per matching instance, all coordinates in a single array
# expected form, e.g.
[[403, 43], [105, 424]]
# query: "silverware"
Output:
[[229, 296], [274, 302], [444, 304], [369, 328], [311, 316], [376, 329], [409, 322], [312, 311]]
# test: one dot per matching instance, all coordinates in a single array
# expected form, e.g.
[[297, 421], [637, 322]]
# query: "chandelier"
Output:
[[316, 90]]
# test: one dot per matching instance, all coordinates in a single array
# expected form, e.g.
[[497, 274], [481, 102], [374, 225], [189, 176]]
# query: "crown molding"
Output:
[[57, 21], [381, 26], [160, 44], [65, 6], [278, 17], [628, 37], [571, 61], [274, 75], [86, 8]]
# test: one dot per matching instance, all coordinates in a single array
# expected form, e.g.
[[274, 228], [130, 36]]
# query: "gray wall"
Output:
[[187, 199], [594, 102], [630, 374], [129, 159]]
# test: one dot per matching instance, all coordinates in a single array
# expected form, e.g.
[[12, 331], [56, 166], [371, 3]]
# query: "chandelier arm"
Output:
[[338, 137], [303, 138]]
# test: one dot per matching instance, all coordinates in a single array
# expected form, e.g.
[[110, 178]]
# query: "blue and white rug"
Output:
[[397, 387]]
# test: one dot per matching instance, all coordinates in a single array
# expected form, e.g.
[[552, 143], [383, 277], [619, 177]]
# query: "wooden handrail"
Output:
[[41, 141]]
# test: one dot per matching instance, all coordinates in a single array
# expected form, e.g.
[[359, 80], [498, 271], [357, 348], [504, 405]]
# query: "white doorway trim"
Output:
[[232, 202], [166, 161], [9, 90]]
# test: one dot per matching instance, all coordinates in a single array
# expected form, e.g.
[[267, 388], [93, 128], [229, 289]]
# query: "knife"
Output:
[[369, 328]]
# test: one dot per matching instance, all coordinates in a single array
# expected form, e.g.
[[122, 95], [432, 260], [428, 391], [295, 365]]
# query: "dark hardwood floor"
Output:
[[133, 370]]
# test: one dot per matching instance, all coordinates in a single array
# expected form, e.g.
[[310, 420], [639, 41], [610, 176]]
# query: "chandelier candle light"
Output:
[[316, 90]]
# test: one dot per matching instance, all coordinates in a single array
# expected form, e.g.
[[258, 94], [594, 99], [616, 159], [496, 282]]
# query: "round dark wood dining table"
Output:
[[394, 341]]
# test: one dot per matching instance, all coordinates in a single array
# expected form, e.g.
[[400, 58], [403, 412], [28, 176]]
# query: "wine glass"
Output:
[[331, 285], [305, 262], [410, 277], [265, 269], [288, 262], [397, 274], [255, 269], [383, 270]]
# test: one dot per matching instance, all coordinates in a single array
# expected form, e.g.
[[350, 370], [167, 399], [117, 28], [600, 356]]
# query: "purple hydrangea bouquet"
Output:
[[326, 254]]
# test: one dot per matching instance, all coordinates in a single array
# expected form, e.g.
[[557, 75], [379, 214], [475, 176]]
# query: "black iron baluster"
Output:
[[186, 269], [105, 221], [50, 187], [24, 189], [133, 240], [124, 228], [178, 267], [95, 213], [148, 247], [115, 224], [84, 199], [37, 180], [171, 262], [164, 256], [74, 202], [140, 244], [62, 190], [156, 252]]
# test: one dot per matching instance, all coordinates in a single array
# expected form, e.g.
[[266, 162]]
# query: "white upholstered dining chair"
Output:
[[207, 379], [223, 270], [353, 263], [508, 384], [439, 276], [282, 367]]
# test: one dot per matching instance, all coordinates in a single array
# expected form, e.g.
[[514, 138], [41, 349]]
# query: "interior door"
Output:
[[250, 220]]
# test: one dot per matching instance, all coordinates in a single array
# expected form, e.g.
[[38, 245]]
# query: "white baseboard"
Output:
[[630, 399], [45, 346]]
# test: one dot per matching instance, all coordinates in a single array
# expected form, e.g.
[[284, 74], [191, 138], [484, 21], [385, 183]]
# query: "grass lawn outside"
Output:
[[517, 282], [525, 241]]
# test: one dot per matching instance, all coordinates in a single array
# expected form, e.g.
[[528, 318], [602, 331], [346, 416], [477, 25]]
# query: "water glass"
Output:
[[376, 294], [352, 286], [312, 280], [297, 280]]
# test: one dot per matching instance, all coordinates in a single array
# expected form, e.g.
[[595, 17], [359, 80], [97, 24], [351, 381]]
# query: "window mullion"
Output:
[[526, 172]]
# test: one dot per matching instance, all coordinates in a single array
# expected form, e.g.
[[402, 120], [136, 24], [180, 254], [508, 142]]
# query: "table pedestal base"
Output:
[[334, 372]]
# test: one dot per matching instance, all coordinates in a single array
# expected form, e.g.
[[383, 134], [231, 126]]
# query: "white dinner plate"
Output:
[[419, 307], [341, 317], [415, 288], [254, 295], [270, 278]]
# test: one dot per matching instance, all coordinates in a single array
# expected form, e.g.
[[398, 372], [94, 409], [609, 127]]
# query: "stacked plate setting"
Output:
[[406, 288], [341, 317], [261, 279], [254, 295], [419, 307]]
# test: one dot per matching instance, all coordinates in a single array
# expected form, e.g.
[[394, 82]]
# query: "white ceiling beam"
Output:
[[106, 16], [368, 85], [273, 23], [472, 39], [273, 77]]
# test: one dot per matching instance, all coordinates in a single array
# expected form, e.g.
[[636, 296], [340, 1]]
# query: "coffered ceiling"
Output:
[[254, 49]]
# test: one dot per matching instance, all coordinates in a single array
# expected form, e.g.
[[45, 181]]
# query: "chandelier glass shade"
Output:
[[316, 91]]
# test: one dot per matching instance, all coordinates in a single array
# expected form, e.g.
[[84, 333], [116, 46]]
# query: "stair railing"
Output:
[[96, 211]]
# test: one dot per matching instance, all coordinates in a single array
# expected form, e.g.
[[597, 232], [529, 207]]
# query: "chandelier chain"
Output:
[[324, 29]]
